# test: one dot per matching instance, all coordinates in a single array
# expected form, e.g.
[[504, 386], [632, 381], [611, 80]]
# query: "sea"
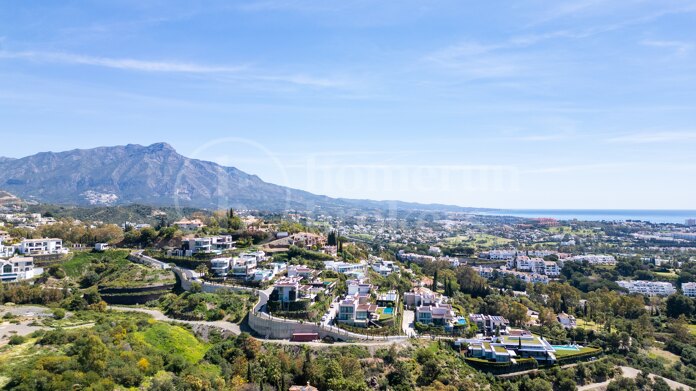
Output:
[[653, 216]]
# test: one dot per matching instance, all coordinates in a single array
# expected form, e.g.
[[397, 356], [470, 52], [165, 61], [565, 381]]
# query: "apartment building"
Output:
[[648, 288], [689, 289]]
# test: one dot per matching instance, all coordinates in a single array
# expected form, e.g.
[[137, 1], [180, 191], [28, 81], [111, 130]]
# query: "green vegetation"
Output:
[[232, 306], [173, 340], [79, 262]]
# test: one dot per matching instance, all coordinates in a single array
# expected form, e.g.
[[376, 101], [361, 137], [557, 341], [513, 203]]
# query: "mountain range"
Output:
[[158, 175]]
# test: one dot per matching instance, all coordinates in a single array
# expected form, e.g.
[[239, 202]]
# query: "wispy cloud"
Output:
[[476, 60], [235, 73], [120, 63], [560, 169], [654, 137], [678, 47]]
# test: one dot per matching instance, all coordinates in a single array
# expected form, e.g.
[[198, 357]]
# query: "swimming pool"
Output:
[[388, 311], [565, 347]]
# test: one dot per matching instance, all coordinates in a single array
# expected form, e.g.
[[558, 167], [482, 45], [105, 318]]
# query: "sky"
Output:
[[508, 104]]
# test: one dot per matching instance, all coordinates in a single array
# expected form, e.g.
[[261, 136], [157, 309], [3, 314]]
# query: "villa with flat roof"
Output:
[[507, 348]]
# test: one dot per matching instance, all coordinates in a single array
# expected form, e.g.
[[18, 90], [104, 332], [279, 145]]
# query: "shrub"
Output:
[[59, 313], [17, 340]]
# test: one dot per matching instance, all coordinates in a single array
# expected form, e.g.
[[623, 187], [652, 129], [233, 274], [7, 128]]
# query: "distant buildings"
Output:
[[594, 259], [384, 268], [189, 225], [353, 270], [205, 245], [648, 288], [567, 321]]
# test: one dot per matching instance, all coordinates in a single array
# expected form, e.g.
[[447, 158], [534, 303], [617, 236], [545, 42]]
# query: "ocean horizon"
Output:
[[653, 216]]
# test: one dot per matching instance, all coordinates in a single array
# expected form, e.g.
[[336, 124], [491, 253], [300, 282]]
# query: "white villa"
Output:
[[17, 269], [507, 348], [44, 246]]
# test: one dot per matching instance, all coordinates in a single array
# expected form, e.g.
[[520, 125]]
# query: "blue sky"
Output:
[[516, 104]]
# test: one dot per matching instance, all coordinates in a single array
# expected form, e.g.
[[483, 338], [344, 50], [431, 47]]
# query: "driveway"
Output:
[[408, 323]]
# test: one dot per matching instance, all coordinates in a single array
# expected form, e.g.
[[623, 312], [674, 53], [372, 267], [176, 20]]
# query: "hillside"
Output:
[[157, 175]]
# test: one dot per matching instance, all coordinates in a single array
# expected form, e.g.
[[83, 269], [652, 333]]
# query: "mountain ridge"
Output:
[[158, 175]]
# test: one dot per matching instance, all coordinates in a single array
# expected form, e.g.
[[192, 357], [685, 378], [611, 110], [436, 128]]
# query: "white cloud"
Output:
[[679, 47], [228, 73], [120, 63], [575, 168], [654, 137]]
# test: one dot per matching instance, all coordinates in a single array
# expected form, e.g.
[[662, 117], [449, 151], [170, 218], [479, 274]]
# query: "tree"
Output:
[[622, 384], [678, 305], [91, 353], [202, 270], [434, 287]]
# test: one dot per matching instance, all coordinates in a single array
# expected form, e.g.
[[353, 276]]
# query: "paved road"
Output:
[[632, 373], [234, 328]]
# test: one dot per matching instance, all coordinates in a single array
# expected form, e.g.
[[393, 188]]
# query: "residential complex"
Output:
[[648, 288]]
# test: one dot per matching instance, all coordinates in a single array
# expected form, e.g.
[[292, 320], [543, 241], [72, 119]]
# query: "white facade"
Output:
[[101, 246], [689, 289], [358, 287], [594, 259], [220, 266], [17, 269], [42, 247], [648, 288], [6, 251]]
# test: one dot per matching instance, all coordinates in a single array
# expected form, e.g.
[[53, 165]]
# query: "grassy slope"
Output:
[[77, 264], [174, 340]]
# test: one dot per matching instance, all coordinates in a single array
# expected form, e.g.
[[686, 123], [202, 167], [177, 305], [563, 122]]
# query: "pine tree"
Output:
[[435, 281]]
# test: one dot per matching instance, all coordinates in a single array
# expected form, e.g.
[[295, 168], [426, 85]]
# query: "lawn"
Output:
[[692, 328], [667, 275], [588, 325], [569, 353], [657, 353], [383, 316], [174, 340], [480, 240]]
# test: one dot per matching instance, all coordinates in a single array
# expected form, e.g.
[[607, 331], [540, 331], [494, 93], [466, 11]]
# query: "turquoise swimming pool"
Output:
[[388, 311], [565, 347]]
